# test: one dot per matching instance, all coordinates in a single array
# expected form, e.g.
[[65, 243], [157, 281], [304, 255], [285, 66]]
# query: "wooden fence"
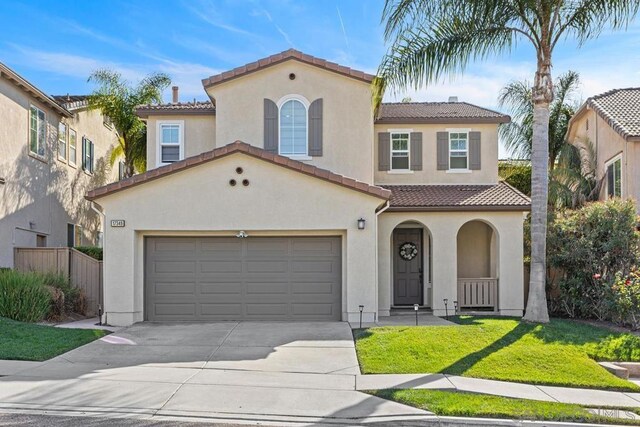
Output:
[[84, 272], [481, 292]]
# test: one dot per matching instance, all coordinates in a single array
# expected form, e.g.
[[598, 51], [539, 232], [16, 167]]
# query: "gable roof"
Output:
[[239, 147], [437, 112], [497, 197], [32, 90], [197, 107], [620, 108], [282, 57]]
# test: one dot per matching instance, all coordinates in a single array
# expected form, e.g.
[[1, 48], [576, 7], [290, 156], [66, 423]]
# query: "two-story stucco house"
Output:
[[284, 198], [610, 122], [52, 151]]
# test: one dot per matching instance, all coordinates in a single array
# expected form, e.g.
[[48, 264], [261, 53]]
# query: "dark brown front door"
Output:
[[407, 266]]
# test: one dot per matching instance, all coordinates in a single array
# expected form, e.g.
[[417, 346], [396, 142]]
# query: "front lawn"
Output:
[[560, 353], [457, 404], [27, 341]]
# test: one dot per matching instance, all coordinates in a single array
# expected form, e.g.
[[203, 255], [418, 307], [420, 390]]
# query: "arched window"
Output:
[[293, 127]]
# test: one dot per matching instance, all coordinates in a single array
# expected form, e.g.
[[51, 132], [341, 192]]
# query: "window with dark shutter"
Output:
[[474, 151], [416, 151], [384, 151], [315, 128], [270, 126], [442, 148]]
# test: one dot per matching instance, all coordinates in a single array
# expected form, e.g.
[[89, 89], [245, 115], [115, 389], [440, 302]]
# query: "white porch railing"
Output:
[[478, 292]]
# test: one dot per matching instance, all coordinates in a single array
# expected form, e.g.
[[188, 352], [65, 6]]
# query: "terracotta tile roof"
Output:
[[197, 107], [238, 147], [621, 109], [500, 196], [285, 56], [438, 112]]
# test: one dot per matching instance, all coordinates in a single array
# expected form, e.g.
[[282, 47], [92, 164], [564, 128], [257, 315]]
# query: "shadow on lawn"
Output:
[[460, 366]]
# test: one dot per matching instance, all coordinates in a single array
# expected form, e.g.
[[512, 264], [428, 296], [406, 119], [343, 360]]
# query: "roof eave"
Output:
[[146, 112], [453, 208], [443, 120]]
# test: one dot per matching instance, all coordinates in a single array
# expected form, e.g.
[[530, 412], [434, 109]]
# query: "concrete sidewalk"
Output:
[[587, 397]]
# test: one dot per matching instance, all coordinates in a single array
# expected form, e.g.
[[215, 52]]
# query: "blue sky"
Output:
[[56, 45]]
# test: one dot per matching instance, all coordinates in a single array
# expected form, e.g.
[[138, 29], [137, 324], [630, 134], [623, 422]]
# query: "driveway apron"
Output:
[[277, 371]]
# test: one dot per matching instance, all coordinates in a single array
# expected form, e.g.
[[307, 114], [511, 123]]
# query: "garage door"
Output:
[[256, 278]]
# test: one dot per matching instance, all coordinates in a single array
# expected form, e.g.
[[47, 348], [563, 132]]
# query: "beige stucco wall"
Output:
[[40, 196], [199, 135], [443, 228], [608, 144], [200, 201], [347, 113], [488, 174], [474, 249]]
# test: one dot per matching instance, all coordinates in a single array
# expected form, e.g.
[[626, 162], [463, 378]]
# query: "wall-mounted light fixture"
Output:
[[361, 223]]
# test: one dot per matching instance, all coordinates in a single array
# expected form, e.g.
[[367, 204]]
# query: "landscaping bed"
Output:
[[26, 341], [561, 353], [460, 404]]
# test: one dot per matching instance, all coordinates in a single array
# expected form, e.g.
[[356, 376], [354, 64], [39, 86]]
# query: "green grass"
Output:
[[458, 404], [560, 353], [25, 341]]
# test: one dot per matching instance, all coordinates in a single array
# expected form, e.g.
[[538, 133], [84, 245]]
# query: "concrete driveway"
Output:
[[225, 371]]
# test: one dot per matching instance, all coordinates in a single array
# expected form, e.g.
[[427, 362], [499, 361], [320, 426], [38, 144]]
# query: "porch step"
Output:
[[409, 311]]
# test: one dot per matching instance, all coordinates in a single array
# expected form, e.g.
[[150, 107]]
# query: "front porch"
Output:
[[451, 262]]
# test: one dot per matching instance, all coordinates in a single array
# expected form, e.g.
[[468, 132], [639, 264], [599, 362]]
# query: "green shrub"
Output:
[[590, 246], [517, 175], [23, 296], [73, 299], [92, 251], [624, 347], [625, 299]]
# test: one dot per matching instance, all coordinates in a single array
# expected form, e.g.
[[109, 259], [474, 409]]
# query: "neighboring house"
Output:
[[52, 151], [285, 199], [610, 122]]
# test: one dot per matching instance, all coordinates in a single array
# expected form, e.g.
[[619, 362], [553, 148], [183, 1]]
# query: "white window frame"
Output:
[[89, 168], [458, 170], [159, 124], [73, 162], [44, 143], [306, 103], [391, 151], [616, 158], [66, 142]]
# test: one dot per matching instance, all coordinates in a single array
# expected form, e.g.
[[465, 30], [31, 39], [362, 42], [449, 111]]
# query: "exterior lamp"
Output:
[[415, 308], [361, 223], [446, 310], [455, 307], [361, 307]]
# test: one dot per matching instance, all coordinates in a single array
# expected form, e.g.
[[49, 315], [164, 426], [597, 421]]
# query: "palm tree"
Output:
[[517, 136], [118, 100], [575, 180], [433, 38]]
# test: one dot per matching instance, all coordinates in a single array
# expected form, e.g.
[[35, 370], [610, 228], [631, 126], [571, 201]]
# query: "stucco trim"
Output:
[[278, 58], [244, 148]]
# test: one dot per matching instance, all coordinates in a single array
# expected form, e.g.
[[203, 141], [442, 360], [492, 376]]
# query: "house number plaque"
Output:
[[117, 222]]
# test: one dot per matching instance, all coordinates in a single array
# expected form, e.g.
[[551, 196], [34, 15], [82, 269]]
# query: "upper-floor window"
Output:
[[73, 146], [399, 151], [170, 141], [37, 131], [62, 141], [121, 170], [458, 150], [87, 155], [293, 127], [614, 178]]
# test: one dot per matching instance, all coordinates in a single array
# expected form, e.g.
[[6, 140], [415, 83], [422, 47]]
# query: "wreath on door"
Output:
[[408, 251]]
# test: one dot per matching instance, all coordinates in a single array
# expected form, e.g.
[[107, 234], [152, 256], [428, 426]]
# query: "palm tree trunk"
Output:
[[542, 96]]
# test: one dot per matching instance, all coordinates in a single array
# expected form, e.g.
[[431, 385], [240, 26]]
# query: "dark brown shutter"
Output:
[[474, 151], [315, 128], [384, 151], [416, 151], [270, 126], [443, 150]]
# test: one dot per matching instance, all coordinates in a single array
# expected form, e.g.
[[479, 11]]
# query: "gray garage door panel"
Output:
[[258, 278]]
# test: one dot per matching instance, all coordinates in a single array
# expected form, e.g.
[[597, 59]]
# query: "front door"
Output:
[[407, 266]]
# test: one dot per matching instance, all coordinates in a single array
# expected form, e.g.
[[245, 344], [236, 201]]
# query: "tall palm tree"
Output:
[[433, 38], [517, 136], [117, 100]]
